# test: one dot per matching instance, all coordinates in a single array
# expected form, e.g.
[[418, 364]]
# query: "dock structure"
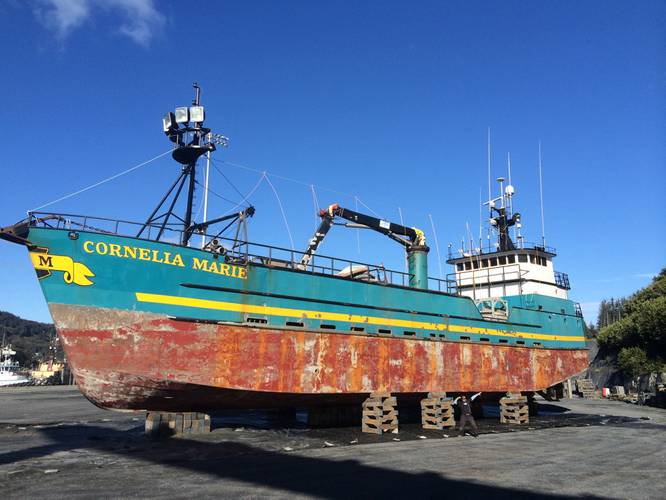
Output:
[[176, 424], [514, 409], [380, 414], [437, 411]]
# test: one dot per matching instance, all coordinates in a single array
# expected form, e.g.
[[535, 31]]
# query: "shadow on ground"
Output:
[[316, 476]]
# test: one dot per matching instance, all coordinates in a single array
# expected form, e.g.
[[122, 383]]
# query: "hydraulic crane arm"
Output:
[[406, 236]]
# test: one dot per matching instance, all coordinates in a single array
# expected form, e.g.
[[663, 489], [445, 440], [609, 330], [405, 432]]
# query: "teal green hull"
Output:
[[161, 278]]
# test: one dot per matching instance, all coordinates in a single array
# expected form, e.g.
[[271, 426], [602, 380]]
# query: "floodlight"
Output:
[[182, 115], [169, 122], [197, 114], [509, 190]]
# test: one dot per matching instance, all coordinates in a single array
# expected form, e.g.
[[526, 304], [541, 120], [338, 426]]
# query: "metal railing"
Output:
[[240, 251], [520, 245], [562, 280]]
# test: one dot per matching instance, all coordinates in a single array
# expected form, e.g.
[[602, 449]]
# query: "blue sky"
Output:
[[386, 101]]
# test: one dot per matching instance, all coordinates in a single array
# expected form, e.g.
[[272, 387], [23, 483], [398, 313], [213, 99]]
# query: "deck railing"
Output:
[[239, 250]]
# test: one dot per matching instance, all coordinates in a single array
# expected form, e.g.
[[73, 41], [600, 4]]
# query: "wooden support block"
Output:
[[176, 424], [437, 412], [379, 414]]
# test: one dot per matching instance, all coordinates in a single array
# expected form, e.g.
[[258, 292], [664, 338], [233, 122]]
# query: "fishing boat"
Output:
[[150, 321], [9, 369]]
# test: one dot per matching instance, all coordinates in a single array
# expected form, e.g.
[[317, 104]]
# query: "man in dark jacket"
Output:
[[466, 414]]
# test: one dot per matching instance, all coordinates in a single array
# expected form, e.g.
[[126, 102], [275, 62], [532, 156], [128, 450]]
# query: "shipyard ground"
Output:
[[55, 444]]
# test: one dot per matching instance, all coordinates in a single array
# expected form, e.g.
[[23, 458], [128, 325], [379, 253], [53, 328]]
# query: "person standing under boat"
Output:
[[466, 414]]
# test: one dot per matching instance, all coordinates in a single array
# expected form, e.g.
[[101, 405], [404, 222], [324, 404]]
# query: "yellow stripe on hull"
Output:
[[331, 316]]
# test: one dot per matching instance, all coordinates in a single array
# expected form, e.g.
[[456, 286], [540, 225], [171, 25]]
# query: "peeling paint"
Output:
[[155, 359]]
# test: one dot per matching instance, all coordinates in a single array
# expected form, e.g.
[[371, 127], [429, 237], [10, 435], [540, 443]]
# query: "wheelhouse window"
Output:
[[484, 262], [511, 259], [493, 261], [502, 260], [522, 258], [459, 267], [468, 266]]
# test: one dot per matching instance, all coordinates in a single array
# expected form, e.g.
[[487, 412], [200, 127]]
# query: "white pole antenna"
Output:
[[490, 197], [439, 256], [510, 195], [402, 223], [543, 230], [205, 204], [480, 219]]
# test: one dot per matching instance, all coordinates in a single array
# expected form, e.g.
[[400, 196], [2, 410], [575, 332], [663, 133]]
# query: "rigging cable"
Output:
[[315, 202], [104, 181], [439, 257], [284, 216], [296, 181]]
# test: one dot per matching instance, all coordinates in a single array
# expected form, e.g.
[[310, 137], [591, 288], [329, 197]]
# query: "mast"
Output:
[[543, 230], [185, 129]]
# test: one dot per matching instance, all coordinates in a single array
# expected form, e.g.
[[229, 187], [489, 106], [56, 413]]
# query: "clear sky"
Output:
[[386, 101]]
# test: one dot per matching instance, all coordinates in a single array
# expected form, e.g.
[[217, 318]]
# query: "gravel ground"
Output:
[[55, 443]]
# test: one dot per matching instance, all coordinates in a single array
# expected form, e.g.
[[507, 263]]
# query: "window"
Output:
[[493, 261], [502, 260], [503, 341], [475, 264], [327, 327], [384, 331], [484, 339], [468, 266], [298, 324], [484, 262], [511, 259], [532, 259], [542, 261], [259, 321], [520, 342], [409, 334], [462, 337], [522, 258], [357, 329], [459, 267]]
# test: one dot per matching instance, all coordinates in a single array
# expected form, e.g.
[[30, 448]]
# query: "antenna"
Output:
[[490, 197], [480, 219], [402, 223], [510, 191], [434, 233], [205, 202], [543, 230]]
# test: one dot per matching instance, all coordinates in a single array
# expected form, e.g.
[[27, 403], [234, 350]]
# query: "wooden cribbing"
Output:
[[514, 409], [437, 412], [176, 424], [380, 414], [586, 388]]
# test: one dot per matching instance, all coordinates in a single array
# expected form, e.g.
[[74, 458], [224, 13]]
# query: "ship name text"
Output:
[[162, 257]]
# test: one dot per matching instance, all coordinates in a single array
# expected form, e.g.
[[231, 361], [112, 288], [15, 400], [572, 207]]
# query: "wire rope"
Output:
[[104, 181]]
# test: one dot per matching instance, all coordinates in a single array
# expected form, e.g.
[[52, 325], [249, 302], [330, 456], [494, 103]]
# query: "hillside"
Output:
[[632, 335], [30, 339]]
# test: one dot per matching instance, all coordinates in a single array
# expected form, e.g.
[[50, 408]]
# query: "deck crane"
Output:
[[411, 238]]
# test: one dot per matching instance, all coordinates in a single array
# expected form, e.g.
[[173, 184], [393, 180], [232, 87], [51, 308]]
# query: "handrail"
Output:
[[238, 250], [488, 251]]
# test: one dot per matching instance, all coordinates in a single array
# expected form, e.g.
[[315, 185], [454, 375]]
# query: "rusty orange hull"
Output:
[[137, 360]]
